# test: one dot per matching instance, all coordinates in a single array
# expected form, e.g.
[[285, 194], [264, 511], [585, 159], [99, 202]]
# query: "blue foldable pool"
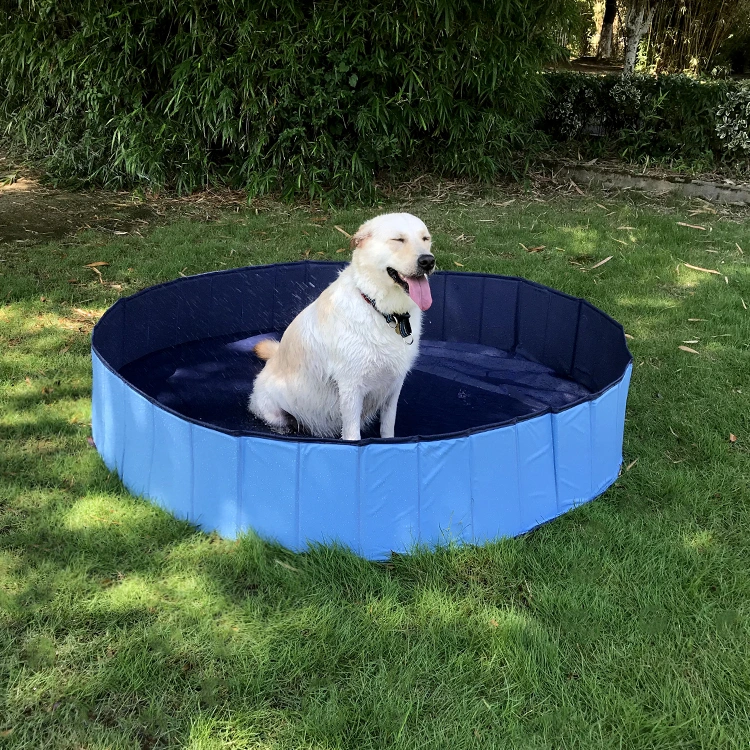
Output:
[[513, 414]]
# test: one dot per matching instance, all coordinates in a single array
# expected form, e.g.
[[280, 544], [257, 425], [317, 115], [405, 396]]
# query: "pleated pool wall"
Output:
[[373, 496]]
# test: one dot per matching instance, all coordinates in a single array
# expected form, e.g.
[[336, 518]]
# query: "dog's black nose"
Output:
[[426, 262]]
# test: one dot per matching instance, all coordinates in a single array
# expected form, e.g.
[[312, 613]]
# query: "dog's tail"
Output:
[[266, 348]]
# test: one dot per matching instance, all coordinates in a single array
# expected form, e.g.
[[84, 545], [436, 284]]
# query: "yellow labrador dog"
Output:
[[343, 359]]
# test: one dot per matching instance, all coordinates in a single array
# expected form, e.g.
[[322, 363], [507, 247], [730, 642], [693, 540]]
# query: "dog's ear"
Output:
[[357, 239]]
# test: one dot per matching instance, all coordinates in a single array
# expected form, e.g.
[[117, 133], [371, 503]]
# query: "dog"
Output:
[[343, 359]]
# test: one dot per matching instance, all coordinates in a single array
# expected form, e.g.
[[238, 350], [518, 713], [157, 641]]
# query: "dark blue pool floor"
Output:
[[453, 387]]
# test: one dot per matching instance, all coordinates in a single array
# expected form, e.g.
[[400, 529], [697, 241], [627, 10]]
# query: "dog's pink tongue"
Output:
[[419, 291]]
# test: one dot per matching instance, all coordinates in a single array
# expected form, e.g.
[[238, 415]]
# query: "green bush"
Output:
[[668, 117], [311, 98]]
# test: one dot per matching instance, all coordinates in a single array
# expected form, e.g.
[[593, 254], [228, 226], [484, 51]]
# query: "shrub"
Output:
[[664, 117], [311, 98]]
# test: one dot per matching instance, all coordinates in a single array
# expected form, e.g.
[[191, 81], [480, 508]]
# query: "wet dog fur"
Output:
[[339, 364]]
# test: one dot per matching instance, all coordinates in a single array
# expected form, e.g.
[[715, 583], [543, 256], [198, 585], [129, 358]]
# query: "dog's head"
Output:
[[393, 252]]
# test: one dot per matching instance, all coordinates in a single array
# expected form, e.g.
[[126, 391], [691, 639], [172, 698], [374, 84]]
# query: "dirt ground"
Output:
[[32, 211]]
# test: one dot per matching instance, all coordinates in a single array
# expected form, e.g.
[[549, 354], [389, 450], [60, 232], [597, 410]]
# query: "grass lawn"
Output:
[[623, 624]]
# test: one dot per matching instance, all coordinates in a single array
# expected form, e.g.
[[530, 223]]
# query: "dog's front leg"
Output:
[[388, 411], [351, 400]]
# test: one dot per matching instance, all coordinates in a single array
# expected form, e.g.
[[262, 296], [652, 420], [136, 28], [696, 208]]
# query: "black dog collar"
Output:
[[398, 321]]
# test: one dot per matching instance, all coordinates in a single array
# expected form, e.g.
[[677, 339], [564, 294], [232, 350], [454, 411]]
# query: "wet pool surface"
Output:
[[453, 386]]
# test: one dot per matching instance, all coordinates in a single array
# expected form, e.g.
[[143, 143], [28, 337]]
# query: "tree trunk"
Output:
[[637, 23], [604, 50]]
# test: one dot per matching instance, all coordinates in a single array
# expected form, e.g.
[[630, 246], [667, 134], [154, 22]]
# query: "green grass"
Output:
[[623, 624]]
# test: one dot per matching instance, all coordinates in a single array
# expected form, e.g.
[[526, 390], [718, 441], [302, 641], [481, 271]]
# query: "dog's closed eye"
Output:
[[398, 239]]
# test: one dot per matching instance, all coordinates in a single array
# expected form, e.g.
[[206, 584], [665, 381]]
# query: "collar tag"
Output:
[[400, 322]]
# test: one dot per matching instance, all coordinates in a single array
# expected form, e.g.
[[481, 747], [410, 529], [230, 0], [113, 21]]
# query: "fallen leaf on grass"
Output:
[[341, 250], [739, 248], [456, 263], [535, 249], [631, 465], [602, 262], [698, 268], [743, 303], [626, 227], [343, 231], [494, 623], [576, 188], [732, 438], [696, 320], [691, 226], [600, 206], [628, 336], [691, 341], [6, 732], [98, 273], [286, 565], [91, 442], [688, 349], [622, 242], [97, 263]]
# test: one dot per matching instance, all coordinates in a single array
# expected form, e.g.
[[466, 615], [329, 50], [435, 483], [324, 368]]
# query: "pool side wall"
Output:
[[376, 498]]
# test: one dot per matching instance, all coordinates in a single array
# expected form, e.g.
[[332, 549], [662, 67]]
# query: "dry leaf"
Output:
[[626, 227], [691, 226], [456, 263], [739, 248], [576, 188], [343, 231], [628, 336], [534, 249], [600, 206], [631, 465], [97, 263], [687, 349], [696, 320], [91, 442], [691, 341], [341, 250], [732, 438], [602, 262], [726, 279], [698, 268], [622, 242], [286, 565], [743, 303], [494, 623]]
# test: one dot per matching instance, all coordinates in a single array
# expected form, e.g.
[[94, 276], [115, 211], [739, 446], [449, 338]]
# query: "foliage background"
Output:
[[669, 117], [274, 95]]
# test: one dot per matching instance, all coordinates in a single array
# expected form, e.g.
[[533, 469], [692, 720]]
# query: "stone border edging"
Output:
[[689, 187]]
